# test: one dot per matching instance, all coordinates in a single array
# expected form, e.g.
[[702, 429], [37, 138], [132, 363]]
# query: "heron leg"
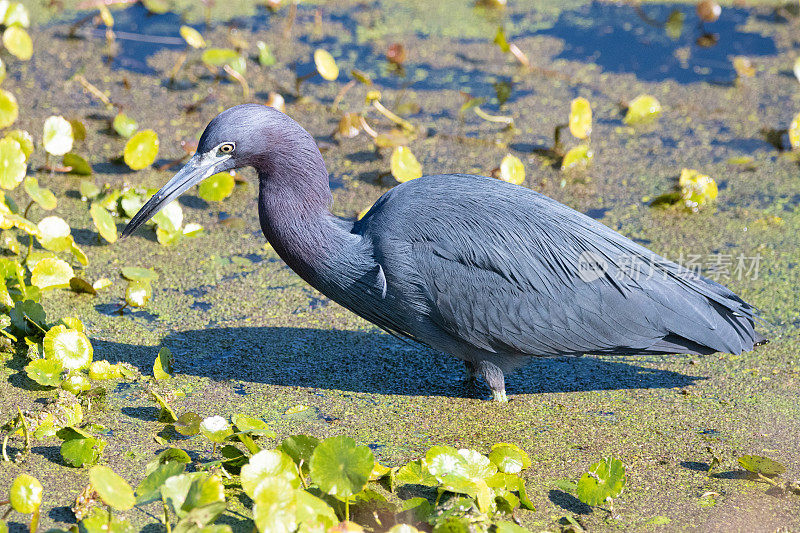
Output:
[[472, 373], [494, 377]]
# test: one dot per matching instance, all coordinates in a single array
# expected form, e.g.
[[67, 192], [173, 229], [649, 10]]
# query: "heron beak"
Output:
[[198, 168]]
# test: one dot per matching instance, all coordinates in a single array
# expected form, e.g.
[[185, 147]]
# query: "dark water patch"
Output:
[[623, 38], [201, 306], [372, 362]]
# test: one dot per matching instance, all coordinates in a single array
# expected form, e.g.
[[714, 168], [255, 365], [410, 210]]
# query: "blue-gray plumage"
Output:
[[484, 270]]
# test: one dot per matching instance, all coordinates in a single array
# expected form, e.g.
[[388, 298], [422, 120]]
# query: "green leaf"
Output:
[[17, 15], [138, 293], [185, 492], [101, 521], [12, 163], [113, 490], [274, 506], [566, 485], [266, 464], [216, 429], [312, 510], [299, 447], [81, 286], [580, 118], [45, 372], [51, 274], [605, 480], [577, 157], [512, 170], [104, 222], [42, 196], [100, 370], [76, 383], [24, 315], [188, 424], [88, 190], [761, 465], [57, 138], [217, 187], [697, 189], [414, 473], [68, 346], [18, 42], [54, 234], [167, 415], [197, 520], [217, 57], [326, 64], [170, 454], [170, 218], [509, 458], [149, 490], [643, 109], [501, 41], [162, 367], [141, 150], [78, 165], [446, 460], [139, 274], [25, 494], [510, 527], [9, 109], [404, 165], [341, 467], [192, 37], [24, 139], [124, 125], [252, 426], [265, 57], [82, 451]]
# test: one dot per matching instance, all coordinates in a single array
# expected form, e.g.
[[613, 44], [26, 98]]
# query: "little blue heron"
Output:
[[484, 270]]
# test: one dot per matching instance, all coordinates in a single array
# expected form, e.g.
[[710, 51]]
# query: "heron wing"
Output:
[[501, 269]]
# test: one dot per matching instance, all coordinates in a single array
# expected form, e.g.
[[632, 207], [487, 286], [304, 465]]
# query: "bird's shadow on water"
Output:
[[371, 362]]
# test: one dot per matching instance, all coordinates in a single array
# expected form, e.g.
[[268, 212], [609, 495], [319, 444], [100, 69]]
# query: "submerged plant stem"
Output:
[[406, 125], [239, 78]]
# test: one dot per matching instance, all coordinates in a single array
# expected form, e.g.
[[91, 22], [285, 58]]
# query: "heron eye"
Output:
[[226, 148]]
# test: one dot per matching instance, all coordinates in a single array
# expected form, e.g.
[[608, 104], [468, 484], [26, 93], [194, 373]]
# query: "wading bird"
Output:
[[489, 272]]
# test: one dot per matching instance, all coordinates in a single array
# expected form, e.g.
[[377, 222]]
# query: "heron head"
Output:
[[238, 137]]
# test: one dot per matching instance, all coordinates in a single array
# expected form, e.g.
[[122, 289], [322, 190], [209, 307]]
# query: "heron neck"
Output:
[[295, 217]]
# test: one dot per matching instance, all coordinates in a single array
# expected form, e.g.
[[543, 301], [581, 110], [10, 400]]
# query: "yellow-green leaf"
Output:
[[17, 15], [404, 165], [162, 367], [51, 273], [512, 170], [113, 490], [42, 196], [326, 64], [642, 110], [141, 150], [77, 164], [12, 163], [794, 132], [696, 189], [124, 125], [18, 42], [217, 187], [580, 118], [192, 37], [104, 222], [138, 293], [24, 139], [9, 110], [57, 138], [577, 157]]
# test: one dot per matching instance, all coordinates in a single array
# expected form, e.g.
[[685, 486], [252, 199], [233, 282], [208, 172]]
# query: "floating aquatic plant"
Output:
[[404, 165]]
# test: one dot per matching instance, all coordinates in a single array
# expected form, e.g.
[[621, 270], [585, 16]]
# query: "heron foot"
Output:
[[499, 396]]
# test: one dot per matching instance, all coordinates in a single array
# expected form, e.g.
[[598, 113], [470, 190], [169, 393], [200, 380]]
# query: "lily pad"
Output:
[[170, 218], [217, 187], [68, 346], [266, 464], [139, 274], [252, 426], [82, 451], [186, 492], [577, 157], [605, 480], [12, 163], [88, 190], [124, 125], [404, 165], [25, 494], [415, 473], [77, 164], [42, 196], [24, 139], [188, 424], [138, 293], [274, 506], [340, 466], [761, 465], [643, 109], [57, 138], [509, 458], [697, 189], [51, 274], [104, 222], [102, 369], [326, 64], [192, 37], [102, 521], [45, 372], [18, 42], [162, 367], [141, 150], [299, 447], [580, 118], [149, 490], [217, 57], [9, 109], [216, 429], [113, 490], [794, 132], [54, 234], [512, 170]]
